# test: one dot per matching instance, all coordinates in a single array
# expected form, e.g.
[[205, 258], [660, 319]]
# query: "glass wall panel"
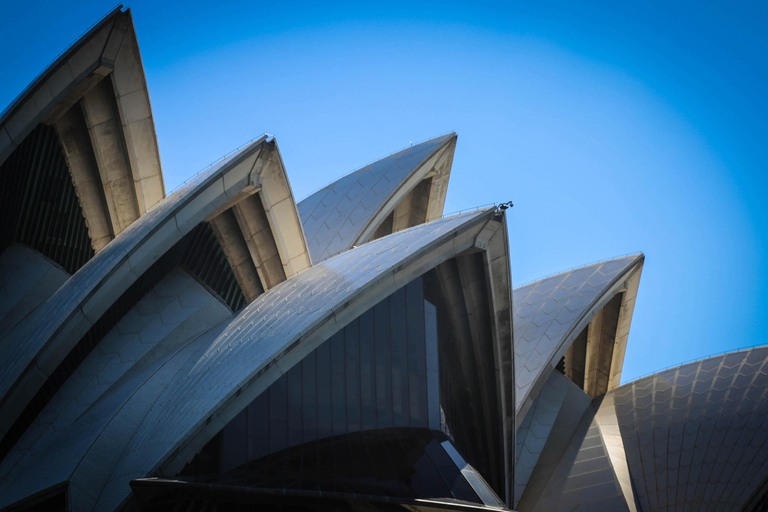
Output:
[[295, 406], [417, 359], [309, 396], [258, 427], [397, 462], [433, 367], [352, 371], [399, 354], [338, 384], [382, 370], [278, 415], [324, 415], [232, 453], [383, 365], [367, 371]]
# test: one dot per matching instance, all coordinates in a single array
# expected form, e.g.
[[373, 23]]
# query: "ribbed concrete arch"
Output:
[[349, 211], [95, 95], [262, 233], [216, 380], [335, 291], [551, 313], [34, 348]]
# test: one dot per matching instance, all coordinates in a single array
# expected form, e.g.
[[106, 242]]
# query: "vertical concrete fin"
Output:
[[608, 424]]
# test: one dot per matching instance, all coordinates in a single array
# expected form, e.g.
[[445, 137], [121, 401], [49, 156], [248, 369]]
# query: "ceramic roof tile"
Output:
[[694, 457], [40, 326], [365, 190], [151, 410], [546, 311]]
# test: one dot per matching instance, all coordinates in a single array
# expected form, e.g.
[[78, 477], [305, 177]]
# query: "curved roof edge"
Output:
[[382, 275], [34, 349], [280, 203], [575, 318], [234, 369], [348, 211], [103, 71], [441, 159]]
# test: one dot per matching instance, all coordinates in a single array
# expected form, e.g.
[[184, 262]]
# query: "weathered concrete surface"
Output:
[[104, 128], [101, 73], [84, 170], [232, 242]]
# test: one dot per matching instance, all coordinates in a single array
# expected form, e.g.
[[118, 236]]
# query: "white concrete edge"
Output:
[[404, 188], [615, 286]]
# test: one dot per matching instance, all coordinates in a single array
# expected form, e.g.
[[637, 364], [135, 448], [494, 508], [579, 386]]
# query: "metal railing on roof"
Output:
[[465, 210], [37, 77], [238, 148], [374, 161]]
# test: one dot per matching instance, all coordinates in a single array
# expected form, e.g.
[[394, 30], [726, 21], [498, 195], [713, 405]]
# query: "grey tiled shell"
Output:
[[546, 313], [335, 216]]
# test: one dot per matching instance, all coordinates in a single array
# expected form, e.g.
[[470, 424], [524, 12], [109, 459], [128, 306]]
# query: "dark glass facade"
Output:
[[361, 414], [39, 204], [373, 374], [395, 462]]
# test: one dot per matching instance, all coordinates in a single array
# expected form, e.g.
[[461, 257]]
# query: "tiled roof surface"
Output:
[[154, 407], [178, 307], [547, 310], [27, 279], [41, 325], [696, 436], [335, 216]]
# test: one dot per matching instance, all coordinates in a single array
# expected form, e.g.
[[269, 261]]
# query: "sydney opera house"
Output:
[[225, 347]]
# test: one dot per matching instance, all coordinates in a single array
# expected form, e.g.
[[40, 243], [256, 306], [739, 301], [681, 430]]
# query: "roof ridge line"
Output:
[[691, 361], [373, 162], [579, 267]]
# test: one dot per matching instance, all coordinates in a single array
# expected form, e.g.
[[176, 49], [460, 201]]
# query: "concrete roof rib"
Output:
[[550, 313], [336, 217]]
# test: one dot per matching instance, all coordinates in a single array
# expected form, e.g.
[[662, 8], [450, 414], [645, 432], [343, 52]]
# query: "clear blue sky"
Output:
[[615, 127]]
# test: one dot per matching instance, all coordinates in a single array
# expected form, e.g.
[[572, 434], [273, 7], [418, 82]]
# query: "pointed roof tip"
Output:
[[339, 214]]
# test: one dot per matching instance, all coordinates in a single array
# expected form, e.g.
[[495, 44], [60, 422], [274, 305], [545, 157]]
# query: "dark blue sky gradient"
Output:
[[615, 127]]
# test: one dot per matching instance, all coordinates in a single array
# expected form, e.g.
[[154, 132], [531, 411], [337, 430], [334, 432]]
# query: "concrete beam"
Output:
[[412, 209], [104, 128], [231, 239], [281, 213], [136, 120], [257, 234], [439, 182], [78, 151], [601, 339], [631, 285]]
